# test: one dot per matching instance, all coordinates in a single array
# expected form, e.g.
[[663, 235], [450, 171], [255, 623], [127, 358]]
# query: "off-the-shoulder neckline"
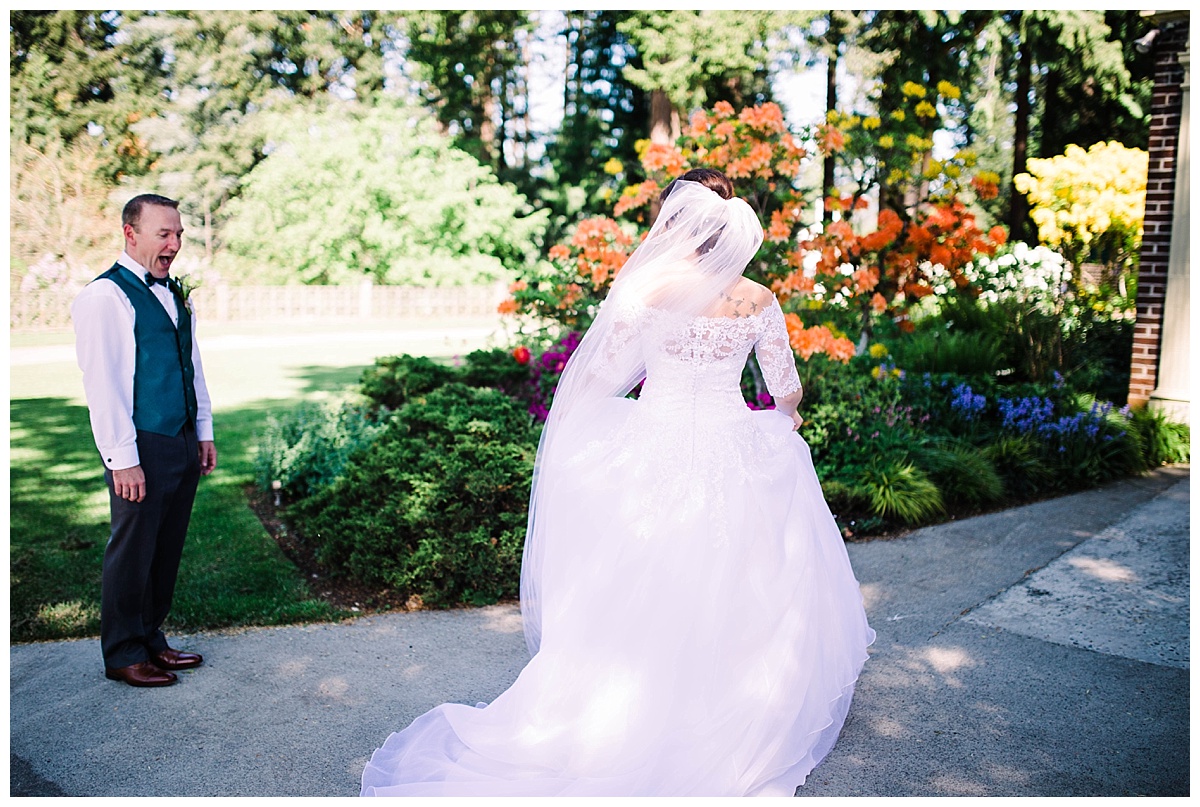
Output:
[[773, 304]]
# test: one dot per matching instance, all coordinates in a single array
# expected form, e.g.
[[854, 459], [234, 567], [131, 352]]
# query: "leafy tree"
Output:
[[686, 55], [921, 48], [604, 113], [223, 69], [465, 63], [59, 212], [358, 192], [72, 77], [1077, 79]]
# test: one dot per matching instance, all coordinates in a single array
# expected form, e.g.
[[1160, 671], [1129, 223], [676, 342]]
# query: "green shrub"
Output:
[[1162, 441], [941, 351], [437, 506], [306, 449], [963, 473], [497, 368], [1027, 339], [901, 491], [394, 380], [1019, 465]]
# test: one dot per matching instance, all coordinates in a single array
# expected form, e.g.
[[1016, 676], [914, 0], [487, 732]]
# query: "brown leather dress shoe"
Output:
[[142, 674], [170, 659]]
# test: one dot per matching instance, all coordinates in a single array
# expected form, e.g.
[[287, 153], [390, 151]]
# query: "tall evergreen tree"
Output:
[[692, 59], [465, 63]]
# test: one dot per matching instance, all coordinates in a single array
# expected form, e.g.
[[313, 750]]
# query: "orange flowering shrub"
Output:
[[578, 278], [923, 223], [839, 274], [817, 339]]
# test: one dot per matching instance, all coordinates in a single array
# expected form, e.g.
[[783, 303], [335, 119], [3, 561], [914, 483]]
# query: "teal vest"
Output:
[[164, 381]]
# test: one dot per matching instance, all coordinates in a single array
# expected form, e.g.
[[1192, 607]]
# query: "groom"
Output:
[[152, 422]]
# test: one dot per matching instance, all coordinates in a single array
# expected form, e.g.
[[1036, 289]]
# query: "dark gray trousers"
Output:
[[141, 560]]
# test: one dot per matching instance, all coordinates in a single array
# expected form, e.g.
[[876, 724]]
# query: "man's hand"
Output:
[[130, 483], [208, 457]]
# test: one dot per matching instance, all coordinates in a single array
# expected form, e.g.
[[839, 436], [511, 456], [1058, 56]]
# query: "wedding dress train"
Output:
[[701, 630]]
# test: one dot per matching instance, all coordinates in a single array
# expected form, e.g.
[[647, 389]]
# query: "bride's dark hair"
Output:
[[710, 178]]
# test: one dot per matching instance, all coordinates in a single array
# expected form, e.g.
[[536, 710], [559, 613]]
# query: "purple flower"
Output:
[[966, 402]]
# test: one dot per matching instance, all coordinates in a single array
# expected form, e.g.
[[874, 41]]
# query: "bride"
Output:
[[694, 623]]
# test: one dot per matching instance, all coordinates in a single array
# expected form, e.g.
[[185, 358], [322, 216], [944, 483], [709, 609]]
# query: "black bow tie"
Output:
[[151, 280]]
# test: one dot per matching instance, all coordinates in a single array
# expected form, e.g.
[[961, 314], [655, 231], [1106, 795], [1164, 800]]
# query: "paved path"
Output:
[[1039, 651]]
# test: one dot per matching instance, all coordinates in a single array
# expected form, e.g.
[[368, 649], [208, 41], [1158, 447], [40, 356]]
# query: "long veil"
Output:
[[695, 253]]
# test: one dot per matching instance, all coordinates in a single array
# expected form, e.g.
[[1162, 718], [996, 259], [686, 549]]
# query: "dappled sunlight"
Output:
[[293, 668], [502, 620], [932, 668], [1007, 774], [872, 594], [67, 618], [886, 726], [334, 688], [946, 660], [1104, 569], [950, 784]]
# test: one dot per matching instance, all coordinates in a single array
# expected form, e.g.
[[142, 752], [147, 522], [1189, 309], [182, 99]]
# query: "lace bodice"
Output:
[[698, 362], [691, 413]]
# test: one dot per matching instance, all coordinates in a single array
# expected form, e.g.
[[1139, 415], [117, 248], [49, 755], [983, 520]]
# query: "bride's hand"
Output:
[[797, 421]]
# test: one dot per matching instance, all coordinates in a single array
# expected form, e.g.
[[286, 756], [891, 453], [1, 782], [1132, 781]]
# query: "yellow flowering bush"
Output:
[[1089, 204]]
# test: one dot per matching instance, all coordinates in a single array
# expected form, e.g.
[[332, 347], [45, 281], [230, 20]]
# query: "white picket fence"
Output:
[[50, 309]]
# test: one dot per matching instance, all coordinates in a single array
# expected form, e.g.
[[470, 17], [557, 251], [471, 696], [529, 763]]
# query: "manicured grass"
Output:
[[232, 572]]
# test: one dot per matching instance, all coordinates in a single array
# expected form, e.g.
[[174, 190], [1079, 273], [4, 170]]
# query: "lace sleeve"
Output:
[[774, 353], [614, 353]]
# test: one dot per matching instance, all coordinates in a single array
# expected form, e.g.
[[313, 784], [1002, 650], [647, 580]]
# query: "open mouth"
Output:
[[164, 261]]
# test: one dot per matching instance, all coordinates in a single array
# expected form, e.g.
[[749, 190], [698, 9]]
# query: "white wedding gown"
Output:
[[702, 629]]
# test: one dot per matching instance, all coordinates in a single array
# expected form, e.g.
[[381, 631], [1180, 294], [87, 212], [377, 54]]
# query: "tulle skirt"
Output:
[[702, 629]]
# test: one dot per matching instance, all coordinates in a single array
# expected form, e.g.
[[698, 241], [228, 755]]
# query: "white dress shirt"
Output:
[[107, 354]]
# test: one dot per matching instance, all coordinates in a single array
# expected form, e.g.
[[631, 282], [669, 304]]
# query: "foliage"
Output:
[[901, 491], [1164, 441], [437, 506], [570, 288], [1016, 460], [60, 222], [603, 114], [375, 192], [1081, 54], [965, 474], [305, 450], [924, 220], [505, 370], [938, 350], [217, 73], [1089, 204], [73, 78], [395, 380], [466, 65], [698, 58]]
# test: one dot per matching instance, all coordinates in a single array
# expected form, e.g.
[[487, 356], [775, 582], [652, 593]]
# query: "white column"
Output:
[[1173, 393]]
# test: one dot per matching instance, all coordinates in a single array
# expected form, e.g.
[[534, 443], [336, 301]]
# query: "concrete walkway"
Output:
[[1039, 651]]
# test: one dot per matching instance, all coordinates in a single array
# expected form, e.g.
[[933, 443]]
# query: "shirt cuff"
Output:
[[204, 430], [118, 459]]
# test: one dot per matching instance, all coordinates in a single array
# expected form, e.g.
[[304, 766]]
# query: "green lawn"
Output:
[[232, 573]]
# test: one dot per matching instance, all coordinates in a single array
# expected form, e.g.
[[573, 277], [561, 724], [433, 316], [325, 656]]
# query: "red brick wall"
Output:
[[1165, 113]]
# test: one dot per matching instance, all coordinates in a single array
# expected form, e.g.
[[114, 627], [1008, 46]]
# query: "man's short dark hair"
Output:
[[132, 213]]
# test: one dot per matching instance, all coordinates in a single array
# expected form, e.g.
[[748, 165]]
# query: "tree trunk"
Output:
[[831, 101], [1018, 209], [664, 121], [664, 129]]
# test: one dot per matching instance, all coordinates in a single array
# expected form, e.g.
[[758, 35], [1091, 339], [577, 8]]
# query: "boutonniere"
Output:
[[184, 285]]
